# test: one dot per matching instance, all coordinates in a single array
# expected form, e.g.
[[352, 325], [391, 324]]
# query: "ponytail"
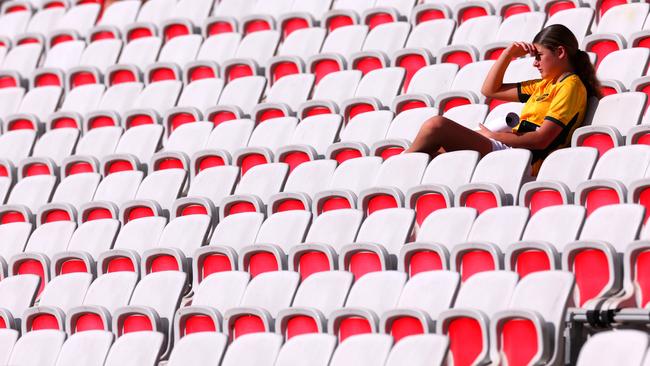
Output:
[[585, 70], [557, 35]]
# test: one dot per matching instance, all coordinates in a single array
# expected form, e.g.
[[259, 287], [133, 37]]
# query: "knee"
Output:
[[433, 124]]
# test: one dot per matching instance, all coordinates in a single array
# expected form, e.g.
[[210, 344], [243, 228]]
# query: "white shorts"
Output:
[[498, 145]]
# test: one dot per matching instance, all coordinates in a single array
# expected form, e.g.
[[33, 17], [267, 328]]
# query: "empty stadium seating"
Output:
[[222, 182]]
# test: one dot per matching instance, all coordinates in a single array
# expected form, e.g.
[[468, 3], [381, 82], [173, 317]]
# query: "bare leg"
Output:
[[439, 134]]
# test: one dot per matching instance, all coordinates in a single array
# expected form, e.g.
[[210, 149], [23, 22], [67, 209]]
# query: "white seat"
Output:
[[85, 348], [37, 348], [623, 347], [136, 349], [253, 350], [363, 350]]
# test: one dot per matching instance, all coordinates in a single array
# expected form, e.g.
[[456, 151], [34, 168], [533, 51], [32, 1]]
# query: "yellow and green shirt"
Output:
[[563, 102]]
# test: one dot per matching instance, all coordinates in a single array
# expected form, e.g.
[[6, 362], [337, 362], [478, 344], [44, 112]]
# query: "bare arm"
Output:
[[493, 86], [536, 140]]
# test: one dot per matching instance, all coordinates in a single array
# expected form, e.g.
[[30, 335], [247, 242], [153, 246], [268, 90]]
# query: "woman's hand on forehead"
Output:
[[519, 49]]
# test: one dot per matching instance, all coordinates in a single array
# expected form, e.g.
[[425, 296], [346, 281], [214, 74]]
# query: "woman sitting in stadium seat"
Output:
[[554, 105]]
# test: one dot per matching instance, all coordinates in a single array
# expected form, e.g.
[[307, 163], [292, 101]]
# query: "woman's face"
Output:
[[549, 62]]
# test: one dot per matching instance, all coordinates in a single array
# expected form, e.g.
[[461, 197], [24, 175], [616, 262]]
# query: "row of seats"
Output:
[[490, 305], [170, 18]]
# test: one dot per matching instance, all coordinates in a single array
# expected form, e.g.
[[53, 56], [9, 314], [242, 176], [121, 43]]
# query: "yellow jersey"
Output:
[[563, 102]]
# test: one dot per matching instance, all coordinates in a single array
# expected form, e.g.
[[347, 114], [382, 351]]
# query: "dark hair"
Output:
[[557, 35]]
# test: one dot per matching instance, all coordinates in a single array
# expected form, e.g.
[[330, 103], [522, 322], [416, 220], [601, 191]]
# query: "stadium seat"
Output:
[[467, 323], [263, 15], [555, 185], [195, 98], [284, 98], [419, 350], [422, 47], [107, 293], [37, 348], [469, 39], [296, 49], [279, 233], [365, 350], [396, 176], [134, 150], [214, 51], [136, 236], [60, 58], [255, 189], [60, 295], [151, 309], [41, 24], [610, 179], [328, 233], [437, 235], [113, 20], [237, 99], [617, 72], [185, 18], [625, 346], [17, 294], [213, 297], [316, 349], [88, 348], [466, 88], [423, 298], [253, 350], [387, 11], [375, 91], [252, 55], [316, 298], [579, 20], [440, 181], [203, 185], [136, 349], [74, 24], [233, 233], [8, 338], [488, 239], [152, 102], [614, 29], [77, 103], [361, 132], [303, 183], [303, 14], [336, 49], [201, 349], [468, 115], [150, 17], [349, 179], [174, 55], [265, 296], [540, 248], [310, 140], [19, 63], [538, 306], [266, 138], [135, 57], [402, 132], [381, 42], [177, 243], [335, 88], [376, 247], [34, 109], [115, 102], [427, 83], [369, 297], [345, 13], [491, 187], [595, 258], [517, 27]]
